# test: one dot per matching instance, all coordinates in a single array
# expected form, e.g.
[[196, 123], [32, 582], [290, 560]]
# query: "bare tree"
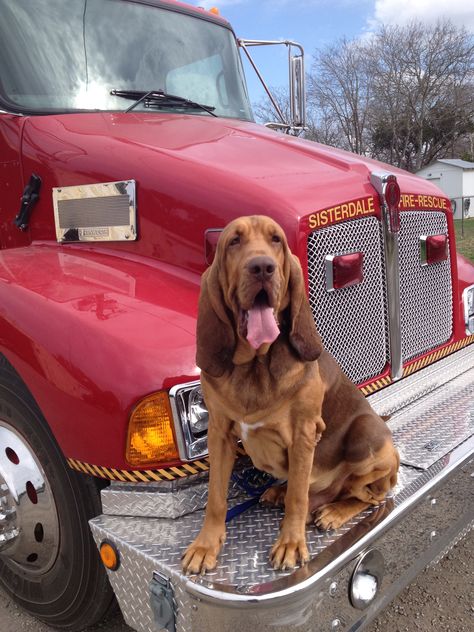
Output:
[[404, 95], [422, 91], [340, 87], [264, 110]]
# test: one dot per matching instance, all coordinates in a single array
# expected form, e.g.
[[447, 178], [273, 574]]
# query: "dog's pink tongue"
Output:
[[261, 326]]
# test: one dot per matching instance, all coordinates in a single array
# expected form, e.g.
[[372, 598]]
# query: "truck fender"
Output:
[[91, 333]]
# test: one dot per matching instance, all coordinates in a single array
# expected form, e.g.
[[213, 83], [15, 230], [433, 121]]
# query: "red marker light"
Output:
[[392, 199], [433, 249], [344, 270]]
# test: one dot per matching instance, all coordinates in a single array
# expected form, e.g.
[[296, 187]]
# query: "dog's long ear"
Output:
[[304, 337], [215, 334]]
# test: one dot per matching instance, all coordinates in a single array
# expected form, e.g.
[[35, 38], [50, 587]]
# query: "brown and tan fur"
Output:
[[298, 416]]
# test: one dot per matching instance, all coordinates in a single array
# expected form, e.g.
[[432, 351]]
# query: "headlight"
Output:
[[191, 413], [198, 415], [468, 300]]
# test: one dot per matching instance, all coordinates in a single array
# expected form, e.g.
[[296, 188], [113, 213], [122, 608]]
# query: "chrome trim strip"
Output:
[[333, 560], [329, 272], [392, 271], [423, 257]]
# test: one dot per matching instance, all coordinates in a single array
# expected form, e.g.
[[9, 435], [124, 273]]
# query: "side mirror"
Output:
[[297, 104], [297, 90]]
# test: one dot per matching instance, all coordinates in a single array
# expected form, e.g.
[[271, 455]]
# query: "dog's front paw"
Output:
[[288, 551], [201, 555]]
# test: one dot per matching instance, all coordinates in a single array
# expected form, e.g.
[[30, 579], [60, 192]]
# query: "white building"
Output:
[[456, 178]]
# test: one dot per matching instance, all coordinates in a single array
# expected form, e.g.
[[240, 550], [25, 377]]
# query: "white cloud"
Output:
[[460, 12]]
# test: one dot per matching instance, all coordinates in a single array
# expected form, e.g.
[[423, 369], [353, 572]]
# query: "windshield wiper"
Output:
[[158, 97]]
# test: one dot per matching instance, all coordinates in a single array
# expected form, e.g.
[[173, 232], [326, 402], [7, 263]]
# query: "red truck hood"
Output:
[[197, 172]]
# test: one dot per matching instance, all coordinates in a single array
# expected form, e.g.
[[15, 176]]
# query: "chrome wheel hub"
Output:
[[29, 525]]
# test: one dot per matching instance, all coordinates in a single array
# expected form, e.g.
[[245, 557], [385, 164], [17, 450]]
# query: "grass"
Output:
[[465, 245]]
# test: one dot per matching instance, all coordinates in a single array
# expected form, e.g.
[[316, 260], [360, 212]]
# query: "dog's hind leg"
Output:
[[359, 493], [334, 515]]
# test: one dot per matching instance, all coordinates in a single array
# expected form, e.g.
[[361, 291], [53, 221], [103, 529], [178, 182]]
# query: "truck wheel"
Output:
[[48, 560]]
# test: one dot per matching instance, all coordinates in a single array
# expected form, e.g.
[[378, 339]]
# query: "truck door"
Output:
[[11, 180]]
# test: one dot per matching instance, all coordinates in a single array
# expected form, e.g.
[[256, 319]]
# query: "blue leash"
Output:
[[253, 482]]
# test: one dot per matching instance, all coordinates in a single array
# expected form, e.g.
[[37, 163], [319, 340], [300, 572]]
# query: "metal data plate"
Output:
[[96, 212]]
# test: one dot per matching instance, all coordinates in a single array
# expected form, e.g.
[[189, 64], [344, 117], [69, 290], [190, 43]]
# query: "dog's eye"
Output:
[[235, 241], [276, 239]]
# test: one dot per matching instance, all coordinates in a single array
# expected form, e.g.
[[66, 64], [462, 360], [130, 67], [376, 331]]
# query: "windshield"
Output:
[[68, 55]]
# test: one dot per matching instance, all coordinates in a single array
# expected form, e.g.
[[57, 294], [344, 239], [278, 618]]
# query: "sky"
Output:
[[317, 23]]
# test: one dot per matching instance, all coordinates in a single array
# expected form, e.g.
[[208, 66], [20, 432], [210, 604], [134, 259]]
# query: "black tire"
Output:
[[74, 593]]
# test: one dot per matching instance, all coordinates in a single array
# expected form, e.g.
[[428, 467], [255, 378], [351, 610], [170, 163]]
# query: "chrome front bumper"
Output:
[[433, 505]]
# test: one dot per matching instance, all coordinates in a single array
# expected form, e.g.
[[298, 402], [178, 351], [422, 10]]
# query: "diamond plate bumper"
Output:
[[433, 504]]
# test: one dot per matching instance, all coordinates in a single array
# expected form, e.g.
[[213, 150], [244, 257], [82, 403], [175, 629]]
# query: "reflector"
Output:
[[433, 249], [392, 199], [344, 270], [109, 555]]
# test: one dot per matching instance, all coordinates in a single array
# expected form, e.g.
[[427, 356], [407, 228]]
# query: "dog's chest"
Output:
[[245, 428], [266, 442]]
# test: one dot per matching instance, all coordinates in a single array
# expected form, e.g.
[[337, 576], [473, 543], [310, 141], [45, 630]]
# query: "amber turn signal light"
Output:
[[150, 431], [109, 555]]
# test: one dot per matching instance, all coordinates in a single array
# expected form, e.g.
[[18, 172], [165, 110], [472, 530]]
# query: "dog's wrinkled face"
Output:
[[253, 291], [255, 257]]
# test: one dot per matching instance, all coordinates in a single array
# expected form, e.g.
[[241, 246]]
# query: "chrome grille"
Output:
[[425, 291], [352, 321]]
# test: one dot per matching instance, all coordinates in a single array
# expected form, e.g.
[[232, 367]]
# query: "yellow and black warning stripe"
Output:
[[437, 355], [368, 389], [375, 386], [141, 476], [202, 465], [171, 473]]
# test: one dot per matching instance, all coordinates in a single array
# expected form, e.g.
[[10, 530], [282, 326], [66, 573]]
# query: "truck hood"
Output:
[[197, 172]]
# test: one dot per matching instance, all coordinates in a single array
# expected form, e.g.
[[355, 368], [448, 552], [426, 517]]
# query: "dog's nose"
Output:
[[261, 268]]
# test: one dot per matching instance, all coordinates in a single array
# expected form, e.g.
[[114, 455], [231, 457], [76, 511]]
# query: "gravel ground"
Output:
[[442, 598]]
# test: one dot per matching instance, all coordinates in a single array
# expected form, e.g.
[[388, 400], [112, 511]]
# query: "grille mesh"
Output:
[[92, 212], [352, 321], [425, 292]]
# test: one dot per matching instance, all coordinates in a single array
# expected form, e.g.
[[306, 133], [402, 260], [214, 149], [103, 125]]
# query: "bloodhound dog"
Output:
[[267, 381]]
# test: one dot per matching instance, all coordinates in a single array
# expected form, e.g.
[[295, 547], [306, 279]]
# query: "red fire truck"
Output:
[[127, 142]]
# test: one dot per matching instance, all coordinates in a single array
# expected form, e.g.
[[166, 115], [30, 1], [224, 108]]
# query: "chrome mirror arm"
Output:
[[297, 96]]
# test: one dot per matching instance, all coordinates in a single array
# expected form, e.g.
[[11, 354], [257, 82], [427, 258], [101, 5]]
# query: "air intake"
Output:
[[96, 212]]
